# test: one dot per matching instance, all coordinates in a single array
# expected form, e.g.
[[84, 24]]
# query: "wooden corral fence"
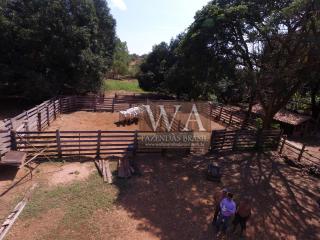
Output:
[[73, 144], [99, 103], [35, 119], [25, 131], [62, 144], [241, 140], [297, 153], [231, 116], [5, 141], [39, 118]]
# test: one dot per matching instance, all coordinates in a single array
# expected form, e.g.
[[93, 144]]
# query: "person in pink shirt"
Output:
[[227, 210]]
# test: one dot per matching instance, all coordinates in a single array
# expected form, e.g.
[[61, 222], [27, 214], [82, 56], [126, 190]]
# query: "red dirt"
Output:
[[82, 121], [173, 200], [86, 121]]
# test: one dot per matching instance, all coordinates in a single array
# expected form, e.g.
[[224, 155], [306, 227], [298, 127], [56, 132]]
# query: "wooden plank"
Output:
[[108, 171], [58, 140], [6, 226]]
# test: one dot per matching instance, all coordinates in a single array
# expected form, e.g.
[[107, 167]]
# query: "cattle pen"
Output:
[[28, 132]]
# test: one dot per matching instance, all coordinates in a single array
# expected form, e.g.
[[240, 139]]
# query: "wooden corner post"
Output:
[[13, 135], [284, 139], [39, 121], [301, 152], [98, 144], [58, 140]]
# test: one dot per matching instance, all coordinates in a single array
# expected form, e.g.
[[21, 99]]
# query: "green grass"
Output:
[[122, 85], [78, 200]]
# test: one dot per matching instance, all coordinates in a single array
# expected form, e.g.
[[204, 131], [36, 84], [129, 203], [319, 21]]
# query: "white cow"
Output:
[[130, 114]]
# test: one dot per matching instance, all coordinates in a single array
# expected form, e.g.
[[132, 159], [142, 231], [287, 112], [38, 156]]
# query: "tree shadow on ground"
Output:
[[175, 201]]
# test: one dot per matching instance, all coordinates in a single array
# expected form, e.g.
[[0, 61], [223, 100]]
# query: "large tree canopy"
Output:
[[51, 47], [245, 50]]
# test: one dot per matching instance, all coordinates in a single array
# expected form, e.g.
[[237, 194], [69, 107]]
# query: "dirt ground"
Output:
[[173, 200], [85, 121], [14, 182]]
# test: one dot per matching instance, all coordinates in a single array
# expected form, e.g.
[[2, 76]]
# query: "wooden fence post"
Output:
[[48, 115], [54, 110], [258, 141], [113, 100], [58, 140], [211, 110], [98, 144], [230, 119], [60, 106], [301, 152], [220, 113], [26, 126], [39, 121], [235, 141], [283, 144], [26, 115], [13, 140]]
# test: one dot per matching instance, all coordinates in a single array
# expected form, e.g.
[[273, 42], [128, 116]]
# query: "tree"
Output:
[[267, 41], [52, 47], [287, 54], [153, 69], [121, 59]]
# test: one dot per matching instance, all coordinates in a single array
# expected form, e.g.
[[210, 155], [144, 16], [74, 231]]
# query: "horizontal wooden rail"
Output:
[[232, 140], [297, 153]]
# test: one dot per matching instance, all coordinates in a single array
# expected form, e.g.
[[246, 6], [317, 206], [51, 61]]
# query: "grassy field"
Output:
[[122, 85], [77, 203]]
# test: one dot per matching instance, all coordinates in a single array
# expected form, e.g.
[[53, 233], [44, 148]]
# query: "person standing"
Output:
[[218, 197], [227, 210], [243, 213]]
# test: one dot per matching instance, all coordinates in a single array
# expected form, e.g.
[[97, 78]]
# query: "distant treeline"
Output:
[[242, 51]]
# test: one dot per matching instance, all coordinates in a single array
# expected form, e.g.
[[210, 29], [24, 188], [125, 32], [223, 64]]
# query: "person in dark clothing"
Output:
[[242, 215]]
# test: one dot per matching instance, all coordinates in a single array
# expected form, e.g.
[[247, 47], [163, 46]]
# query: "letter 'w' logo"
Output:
[[168, 124]]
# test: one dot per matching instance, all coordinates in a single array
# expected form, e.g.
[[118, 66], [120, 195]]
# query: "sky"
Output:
[[144, 23]]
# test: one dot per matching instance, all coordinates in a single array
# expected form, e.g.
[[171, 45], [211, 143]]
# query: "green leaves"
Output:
[[50, 44]]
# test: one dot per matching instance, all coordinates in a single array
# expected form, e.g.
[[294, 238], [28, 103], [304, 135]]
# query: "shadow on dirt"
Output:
[[175, 201]]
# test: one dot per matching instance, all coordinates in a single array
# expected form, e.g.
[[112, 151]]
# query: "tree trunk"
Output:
[[267, 120], [249, 112]]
